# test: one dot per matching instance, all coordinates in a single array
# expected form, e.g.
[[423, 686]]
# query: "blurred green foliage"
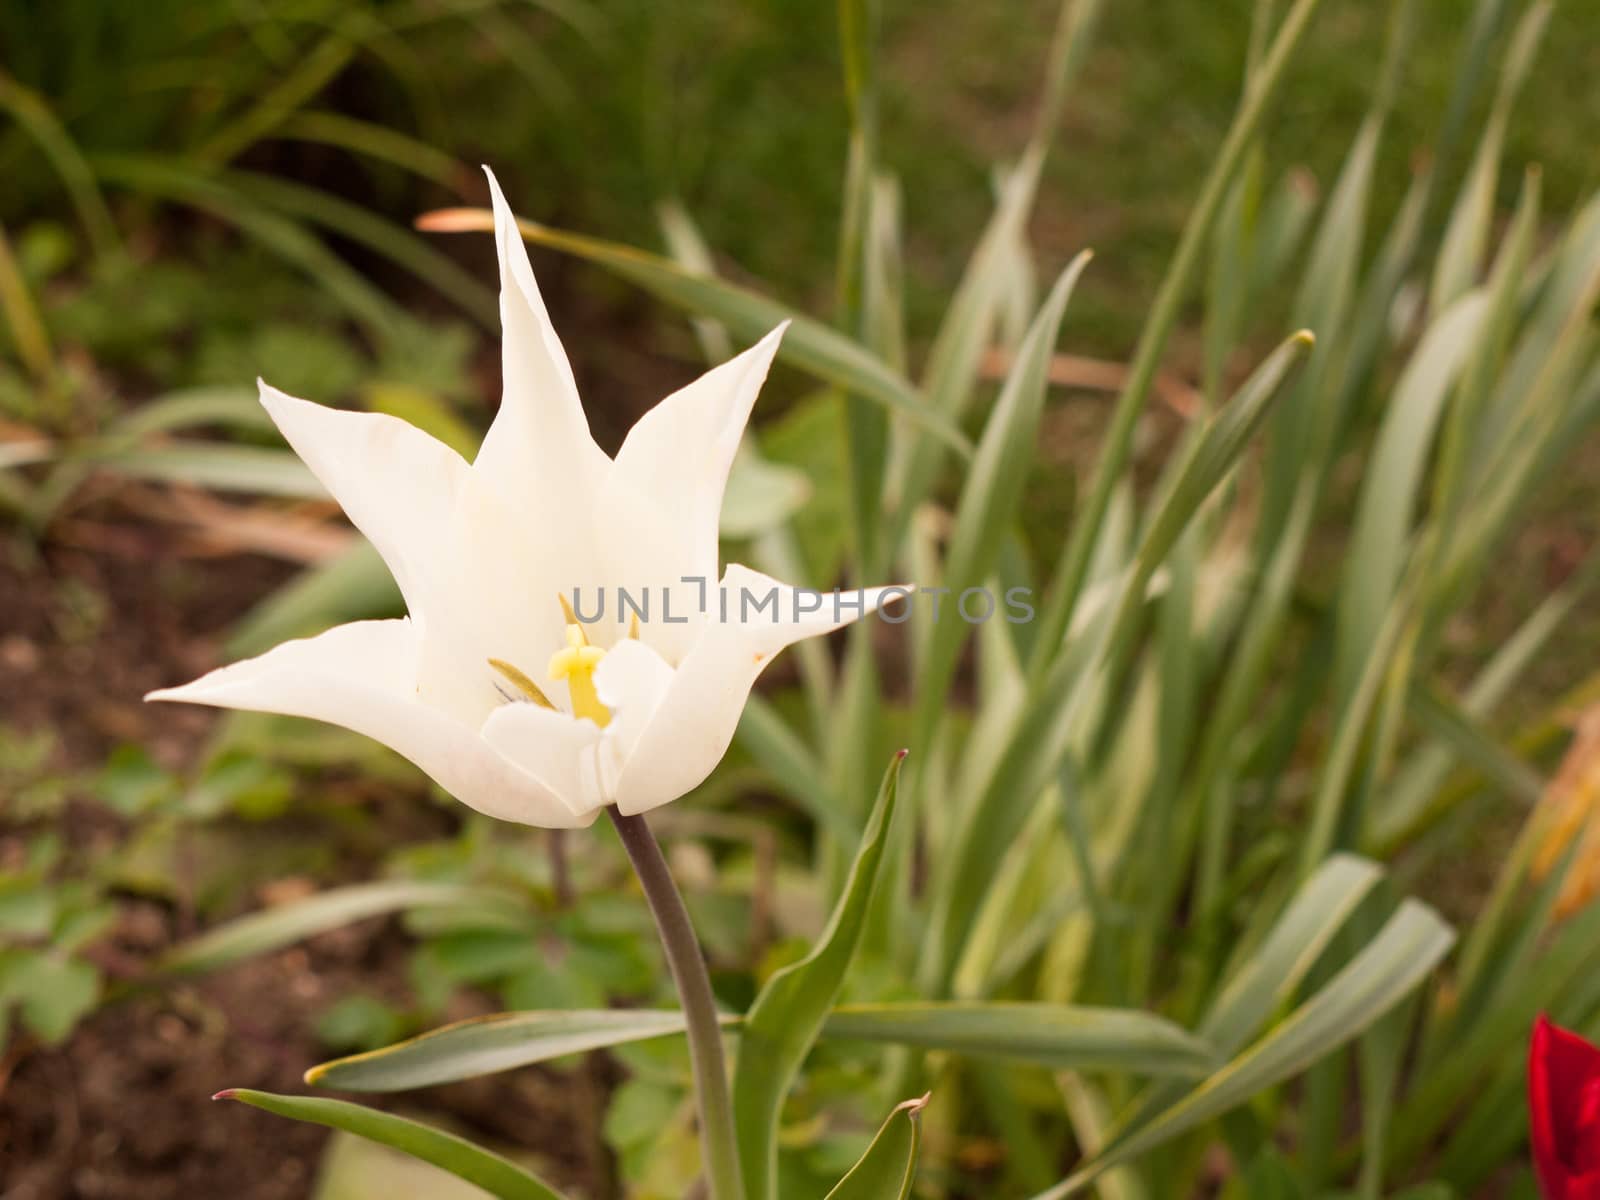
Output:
[[199, 193]]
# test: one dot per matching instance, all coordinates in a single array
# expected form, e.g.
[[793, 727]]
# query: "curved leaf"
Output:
[[1058, 1036], [484, 1045], [889, 1167], [498, 1176], [789, 1013], [1052, 1035], [285, 924]]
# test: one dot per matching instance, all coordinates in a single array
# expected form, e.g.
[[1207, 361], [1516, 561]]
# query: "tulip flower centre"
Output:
[[576, 662]]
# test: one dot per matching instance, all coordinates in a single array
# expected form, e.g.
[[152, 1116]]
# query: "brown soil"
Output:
[[123, 1109]]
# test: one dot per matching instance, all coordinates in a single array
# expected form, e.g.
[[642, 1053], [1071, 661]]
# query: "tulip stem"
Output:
[[688, 967]]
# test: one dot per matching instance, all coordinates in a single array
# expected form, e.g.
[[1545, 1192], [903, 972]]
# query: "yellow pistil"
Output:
[[575, 663]]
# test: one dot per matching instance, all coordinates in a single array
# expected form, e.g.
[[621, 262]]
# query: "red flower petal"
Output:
[[1563, 1083]]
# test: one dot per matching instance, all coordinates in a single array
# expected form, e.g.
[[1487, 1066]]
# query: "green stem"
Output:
[[699, 1008]]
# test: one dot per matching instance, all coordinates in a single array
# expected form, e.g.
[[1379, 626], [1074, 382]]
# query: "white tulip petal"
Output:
[[485, 553], [504, 571], [397, 485], [362, 676], [662, 499], [538, 450], [631, 680], [554, 746], [696, 717]]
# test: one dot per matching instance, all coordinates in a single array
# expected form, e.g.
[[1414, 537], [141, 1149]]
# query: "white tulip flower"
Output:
[[491, 556]]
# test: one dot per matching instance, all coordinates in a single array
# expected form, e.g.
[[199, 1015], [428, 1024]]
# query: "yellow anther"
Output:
[[576, 663], [523, 684], [572, 619]]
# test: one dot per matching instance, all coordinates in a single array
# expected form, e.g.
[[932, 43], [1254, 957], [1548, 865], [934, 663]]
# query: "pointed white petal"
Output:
[[538, 449], [395, 483], [362, 676], [663, 496], [697, 715]]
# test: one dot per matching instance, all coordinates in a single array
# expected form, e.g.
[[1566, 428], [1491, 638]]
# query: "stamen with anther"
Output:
[[576, 663], [521, 682]]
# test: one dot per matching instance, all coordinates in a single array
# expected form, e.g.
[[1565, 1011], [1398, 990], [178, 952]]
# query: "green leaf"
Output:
[[426, 410], [992, 492], [1273, 973], [395, 242], [1050, 1035], [1039, 738], [262, 932], [1461, 250], [889, 1167], [1408, 947], [793, 768], [1073, 565], [237, 408], [789, 1013], [955, 359], [218, 466], [359, 1022], [354, 585], [54, 992], [761, 495], [374, 141], [27, 908], [498, 1176], [1046, 1034], [484, 1045], [179, 182], [1393, 483], [809, 344], [35, 117]]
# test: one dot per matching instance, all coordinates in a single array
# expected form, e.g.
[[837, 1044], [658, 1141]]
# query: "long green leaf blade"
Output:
[[498, 1176], [261, 932], [789, 1013], [993, 489], [1057, 1036], [485, 1045], [1051, 1035]]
